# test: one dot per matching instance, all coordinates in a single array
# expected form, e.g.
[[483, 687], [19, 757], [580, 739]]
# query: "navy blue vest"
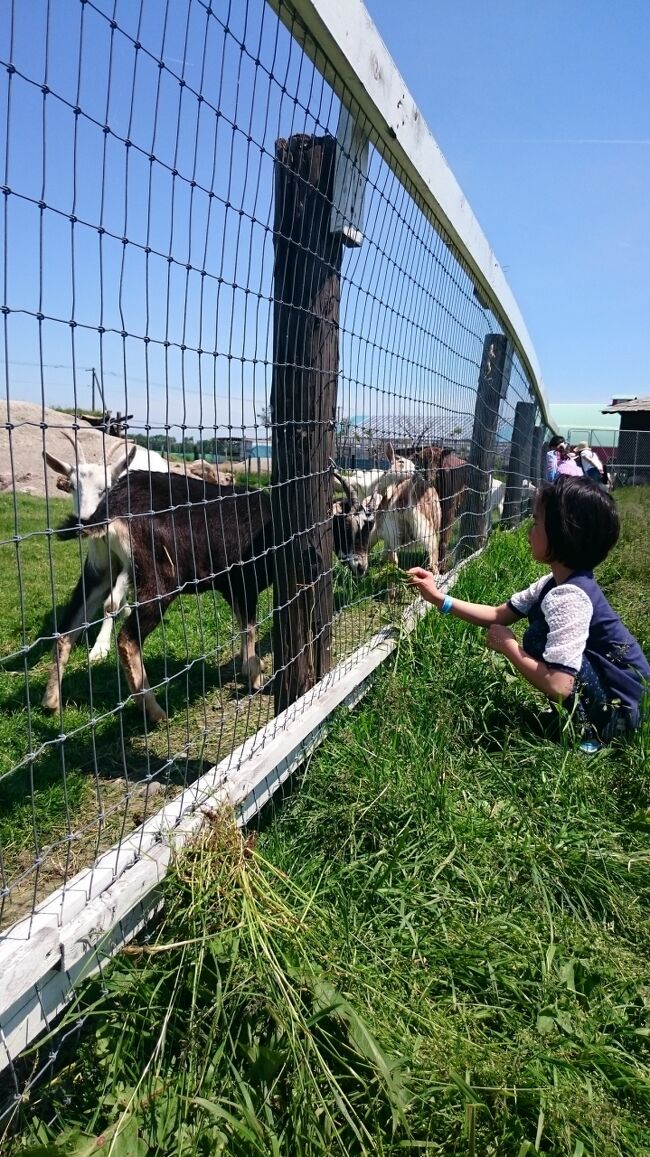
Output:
[[614, 653]]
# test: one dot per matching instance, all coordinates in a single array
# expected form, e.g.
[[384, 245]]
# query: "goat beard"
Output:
[[71, 527]]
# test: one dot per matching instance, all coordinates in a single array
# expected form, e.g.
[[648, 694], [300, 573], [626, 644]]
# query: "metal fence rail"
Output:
[[231, 233]]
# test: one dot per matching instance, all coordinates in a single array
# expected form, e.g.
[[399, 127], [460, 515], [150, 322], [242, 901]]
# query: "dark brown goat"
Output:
[[169, 535]]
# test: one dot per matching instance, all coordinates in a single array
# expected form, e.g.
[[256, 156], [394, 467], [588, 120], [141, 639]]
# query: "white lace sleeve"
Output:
[[523, 600], [568, 611]]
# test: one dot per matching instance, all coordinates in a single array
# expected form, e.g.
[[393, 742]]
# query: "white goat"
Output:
[[498, 493], [88, 482], [496, 496]]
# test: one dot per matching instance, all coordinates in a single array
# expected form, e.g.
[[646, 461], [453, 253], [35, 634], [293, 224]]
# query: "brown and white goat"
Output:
[[172, 535], [409, 515], [449, 475]]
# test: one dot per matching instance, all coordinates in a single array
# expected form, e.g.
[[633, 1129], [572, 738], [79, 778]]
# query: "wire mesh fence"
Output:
[[231, 395], [631, 458]]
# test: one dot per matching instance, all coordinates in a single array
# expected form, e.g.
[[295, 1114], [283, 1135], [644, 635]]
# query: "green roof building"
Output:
[[585, 422]]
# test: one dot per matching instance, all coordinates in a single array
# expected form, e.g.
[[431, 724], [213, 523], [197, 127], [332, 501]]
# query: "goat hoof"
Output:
[[98, 654], [50, 702], [253, 674]]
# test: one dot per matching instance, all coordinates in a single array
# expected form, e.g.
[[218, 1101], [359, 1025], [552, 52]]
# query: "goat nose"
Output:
[[361, 569]]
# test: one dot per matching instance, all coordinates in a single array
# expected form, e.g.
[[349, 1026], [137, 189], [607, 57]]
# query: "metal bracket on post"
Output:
[[350, 176]]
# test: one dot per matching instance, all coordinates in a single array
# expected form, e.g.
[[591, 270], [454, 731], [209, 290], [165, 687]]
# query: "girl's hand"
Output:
[[499, 638], [425, 583]]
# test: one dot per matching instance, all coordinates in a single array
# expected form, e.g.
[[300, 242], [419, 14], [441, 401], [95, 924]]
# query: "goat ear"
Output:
[[123, 464], [372, 502], [390, 451], [340, 507], [57, 464]]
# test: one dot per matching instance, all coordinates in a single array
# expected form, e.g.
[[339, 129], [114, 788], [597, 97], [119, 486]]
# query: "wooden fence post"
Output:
[[307, 278], [493, 381], [519, 464], [536, 471]]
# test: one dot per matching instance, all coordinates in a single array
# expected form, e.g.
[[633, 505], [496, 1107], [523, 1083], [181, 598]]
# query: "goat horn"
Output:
[[76, 445], [117, 445], [349, 492]]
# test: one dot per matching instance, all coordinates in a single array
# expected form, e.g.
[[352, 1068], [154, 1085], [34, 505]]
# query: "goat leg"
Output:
[[83, 606], [132, 662], [112, 606], [251, 665]]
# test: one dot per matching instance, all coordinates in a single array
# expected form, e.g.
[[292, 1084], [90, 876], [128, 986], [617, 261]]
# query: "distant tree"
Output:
[[264, 417]]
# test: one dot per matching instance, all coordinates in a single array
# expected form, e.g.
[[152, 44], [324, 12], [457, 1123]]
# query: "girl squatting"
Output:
[[575, 649]]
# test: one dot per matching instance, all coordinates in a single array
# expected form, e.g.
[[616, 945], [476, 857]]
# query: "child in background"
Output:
[[552, 459], [575, 649], [568, 463]]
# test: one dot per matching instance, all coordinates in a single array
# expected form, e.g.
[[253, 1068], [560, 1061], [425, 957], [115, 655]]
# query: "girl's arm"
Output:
[[554, 684], [480, 614]]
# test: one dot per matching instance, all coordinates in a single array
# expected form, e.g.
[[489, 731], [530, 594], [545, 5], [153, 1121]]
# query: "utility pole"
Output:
[[94, 381]]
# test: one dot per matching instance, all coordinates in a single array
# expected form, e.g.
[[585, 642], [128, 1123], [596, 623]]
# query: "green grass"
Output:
[[439, 943], [74, 783]]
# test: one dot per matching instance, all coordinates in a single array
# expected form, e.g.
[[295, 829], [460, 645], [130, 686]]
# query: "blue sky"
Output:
[[542, 109], [505, 88]]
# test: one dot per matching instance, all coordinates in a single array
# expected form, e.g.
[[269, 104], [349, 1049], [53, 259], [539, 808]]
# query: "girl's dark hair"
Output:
[[580, 520], [556, 440]]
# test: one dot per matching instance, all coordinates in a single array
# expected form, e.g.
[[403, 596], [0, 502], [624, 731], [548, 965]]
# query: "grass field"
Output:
[[72, 784], [439, 943]]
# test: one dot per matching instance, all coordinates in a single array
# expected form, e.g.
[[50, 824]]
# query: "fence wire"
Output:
[[138, 269]]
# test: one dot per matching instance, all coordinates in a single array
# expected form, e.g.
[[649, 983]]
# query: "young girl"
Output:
[[575, 649]]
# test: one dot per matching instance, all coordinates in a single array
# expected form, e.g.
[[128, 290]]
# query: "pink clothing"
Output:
[[570, 466]]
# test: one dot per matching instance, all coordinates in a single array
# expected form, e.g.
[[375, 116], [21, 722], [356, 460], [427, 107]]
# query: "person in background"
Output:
[[590, 463], [568, 463], [552, 457]]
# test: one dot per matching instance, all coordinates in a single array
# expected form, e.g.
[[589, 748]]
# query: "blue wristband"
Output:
[[446, 605]]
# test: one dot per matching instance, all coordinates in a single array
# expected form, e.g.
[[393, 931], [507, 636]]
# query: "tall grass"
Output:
[[439, 943]]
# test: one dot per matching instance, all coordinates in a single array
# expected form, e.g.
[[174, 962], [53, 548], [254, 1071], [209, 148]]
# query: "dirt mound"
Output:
[[34, 429]]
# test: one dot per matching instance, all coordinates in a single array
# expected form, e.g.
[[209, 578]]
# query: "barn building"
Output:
[[633, 453]]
